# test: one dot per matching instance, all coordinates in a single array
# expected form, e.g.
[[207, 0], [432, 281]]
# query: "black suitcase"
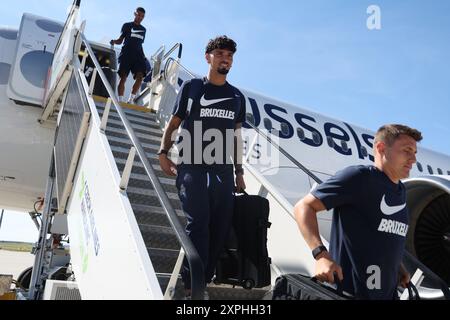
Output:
[[300, 287], [245, 261]]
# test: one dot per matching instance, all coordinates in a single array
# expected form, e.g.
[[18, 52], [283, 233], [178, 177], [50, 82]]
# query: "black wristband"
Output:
[[239, 171], [317, 251]]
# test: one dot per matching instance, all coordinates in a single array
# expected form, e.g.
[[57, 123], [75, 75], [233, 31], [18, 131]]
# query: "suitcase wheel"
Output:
[[248, 284]]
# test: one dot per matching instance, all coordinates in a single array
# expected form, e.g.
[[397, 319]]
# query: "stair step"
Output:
[[224, 292], [146, 184], [156, 218], [135, 113], [159, 237], [143, 138], [144, 129], [126, 143], [133, 120], [122, 153], [151, 193], [153, 209], [138, 168], [163, 260], [138, 198], [164, 278], [216, 292]]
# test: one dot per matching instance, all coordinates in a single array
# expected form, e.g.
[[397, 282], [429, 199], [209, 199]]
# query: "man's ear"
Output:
[[380, 147], [208, 58]]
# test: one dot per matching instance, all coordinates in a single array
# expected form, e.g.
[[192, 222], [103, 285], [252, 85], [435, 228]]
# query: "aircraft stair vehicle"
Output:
[[112, 226]]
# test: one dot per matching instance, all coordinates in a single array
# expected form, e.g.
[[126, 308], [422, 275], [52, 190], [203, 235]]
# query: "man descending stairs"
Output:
[[162, 244]]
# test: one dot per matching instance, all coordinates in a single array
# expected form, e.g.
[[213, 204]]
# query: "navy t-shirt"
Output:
[[213, 110], [134, 38], [368, 235]]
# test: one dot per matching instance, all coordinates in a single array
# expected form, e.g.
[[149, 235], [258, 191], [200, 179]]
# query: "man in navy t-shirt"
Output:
[[370, 219], [132, 57], [210, 112]]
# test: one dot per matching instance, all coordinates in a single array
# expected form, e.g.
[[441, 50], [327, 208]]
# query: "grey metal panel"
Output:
[[69, 127]]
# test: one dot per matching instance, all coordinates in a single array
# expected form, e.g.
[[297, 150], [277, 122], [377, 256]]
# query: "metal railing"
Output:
[[192, 256], [165, 57], [175, 47], [172, 60]]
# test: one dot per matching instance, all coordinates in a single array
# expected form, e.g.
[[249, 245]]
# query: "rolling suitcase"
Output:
[[245, 260], [300, 287]]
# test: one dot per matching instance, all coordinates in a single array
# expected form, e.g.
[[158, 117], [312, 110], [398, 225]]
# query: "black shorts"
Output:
[[131, 62]]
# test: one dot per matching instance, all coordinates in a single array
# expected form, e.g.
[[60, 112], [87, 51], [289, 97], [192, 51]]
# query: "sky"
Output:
[[317, 54]]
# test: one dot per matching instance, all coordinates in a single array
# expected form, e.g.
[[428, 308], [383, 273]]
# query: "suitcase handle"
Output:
[[242, 192], [413, 292], [337, 281]]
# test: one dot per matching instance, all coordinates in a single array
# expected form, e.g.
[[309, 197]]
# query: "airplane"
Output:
[[65, 144]]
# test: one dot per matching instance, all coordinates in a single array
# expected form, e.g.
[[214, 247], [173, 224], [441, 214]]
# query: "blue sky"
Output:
[[316, 54]]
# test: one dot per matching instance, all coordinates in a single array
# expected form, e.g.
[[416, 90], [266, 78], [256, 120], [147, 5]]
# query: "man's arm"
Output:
[[118, 41], [403, 276], [166, 143], [237, 158], [122, 36], [306, 216]]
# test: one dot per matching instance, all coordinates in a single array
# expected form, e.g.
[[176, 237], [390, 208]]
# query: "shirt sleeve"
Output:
[[124, 30], [242, 112], [341, 189], [180, 108]]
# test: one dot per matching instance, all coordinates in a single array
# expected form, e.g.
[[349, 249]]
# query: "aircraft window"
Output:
[[330, 141], [419, 166], [364, 151], [285, 129], [430, 169], [268, 124], [316, 138], [250, 118], [448, 172], [344, 146], [301, 134], [440, 171]]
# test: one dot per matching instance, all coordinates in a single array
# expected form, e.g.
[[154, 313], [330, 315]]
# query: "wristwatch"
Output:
[[162, 151], [317, 251]]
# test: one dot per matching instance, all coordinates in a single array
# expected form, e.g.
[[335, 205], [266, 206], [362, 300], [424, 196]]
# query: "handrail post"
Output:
[[170, 290], [83, 61], [105, 116], [92, 84], [127, 170]]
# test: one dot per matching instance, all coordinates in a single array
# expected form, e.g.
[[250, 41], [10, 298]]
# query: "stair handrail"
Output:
[[166, 66], [192, 256], [167, 55], [176, 46]]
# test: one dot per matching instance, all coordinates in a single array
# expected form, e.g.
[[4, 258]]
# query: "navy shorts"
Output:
[[131, 62]]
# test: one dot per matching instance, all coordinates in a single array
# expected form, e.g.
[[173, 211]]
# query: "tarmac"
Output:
[[13, 263]]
